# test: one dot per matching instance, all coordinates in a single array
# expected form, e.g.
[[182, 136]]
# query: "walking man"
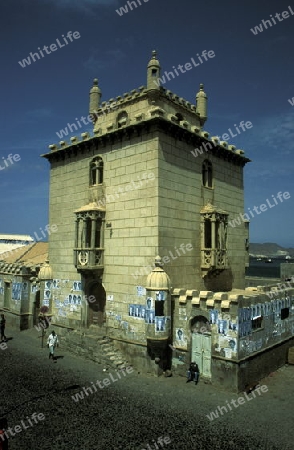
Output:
[[52, 342], [2, 328]]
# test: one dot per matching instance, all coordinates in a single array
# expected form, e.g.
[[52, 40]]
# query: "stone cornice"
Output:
[[192, 136]]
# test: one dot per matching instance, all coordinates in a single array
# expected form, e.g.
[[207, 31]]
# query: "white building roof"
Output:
[[9, 242], [16, 237]]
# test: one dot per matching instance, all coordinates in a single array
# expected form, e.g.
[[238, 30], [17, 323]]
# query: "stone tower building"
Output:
[[136, 189]]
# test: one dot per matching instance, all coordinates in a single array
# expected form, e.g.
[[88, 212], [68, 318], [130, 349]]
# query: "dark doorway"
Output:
[[37, 307], [97, 299]]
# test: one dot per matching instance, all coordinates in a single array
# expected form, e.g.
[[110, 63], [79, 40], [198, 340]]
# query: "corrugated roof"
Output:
[[4, 248]]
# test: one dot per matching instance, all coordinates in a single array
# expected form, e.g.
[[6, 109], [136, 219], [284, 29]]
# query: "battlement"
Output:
[[137, 108]]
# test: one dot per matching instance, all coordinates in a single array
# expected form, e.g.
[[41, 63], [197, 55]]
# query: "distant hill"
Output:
[[270, 249]]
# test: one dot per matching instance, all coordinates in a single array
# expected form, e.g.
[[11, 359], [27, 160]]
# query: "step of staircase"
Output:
[[100, 349]]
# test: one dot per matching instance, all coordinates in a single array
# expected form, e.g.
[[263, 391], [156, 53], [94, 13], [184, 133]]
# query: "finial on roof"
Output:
[[158, 279], [158, 261], [153, 73], [95, 97], [201, 104]]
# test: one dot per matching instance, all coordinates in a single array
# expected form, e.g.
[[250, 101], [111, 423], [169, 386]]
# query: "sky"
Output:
[[250, 79]]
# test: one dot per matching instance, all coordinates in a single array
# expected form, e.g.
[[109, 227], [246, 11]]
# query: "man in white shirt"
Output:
[[52, 342]]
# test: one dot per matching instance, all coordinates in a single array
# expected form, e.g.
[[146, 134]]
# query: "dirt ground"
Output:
[[133, 412]]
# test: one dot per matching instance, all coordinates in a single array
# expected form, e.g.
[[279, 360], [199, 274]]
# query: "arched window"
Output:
[[122, 119], [96, 171], [207, 174]]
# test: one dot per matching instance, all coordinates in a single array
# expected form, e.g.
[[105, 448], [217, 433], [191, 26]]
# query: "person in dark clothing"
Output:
[[2, 328], [3, 438], [193, 373]]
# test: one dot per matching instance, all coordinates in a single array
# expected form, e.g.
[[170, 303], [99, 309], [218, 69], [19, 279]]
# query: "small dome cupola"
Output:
[[153, 73], [95, 97], [158, 280], [46, 272], [201, 104]]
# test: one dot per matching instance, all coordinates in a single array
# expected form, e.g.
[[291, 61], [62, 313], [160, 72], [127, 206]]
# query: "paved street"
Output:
[[131, 411]]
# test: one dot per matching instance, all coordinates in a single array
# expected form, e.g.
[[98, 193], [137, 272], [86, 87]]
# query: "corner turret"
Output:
[[153, 73], [95, 97], [201, 105]]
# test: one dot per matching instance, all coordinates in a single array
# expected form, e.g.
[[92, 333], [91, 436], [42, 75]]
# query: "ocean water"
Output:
[[263, 269]]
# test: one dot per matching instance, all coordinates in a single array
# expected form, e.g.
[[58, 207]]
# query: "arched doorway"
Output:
[[97, 300], [201, 344]]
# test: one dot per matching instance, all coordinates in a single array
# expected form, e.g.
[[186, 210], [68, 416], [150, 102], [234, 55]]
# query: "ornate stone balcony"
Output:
[[89, 258], [212, 259]]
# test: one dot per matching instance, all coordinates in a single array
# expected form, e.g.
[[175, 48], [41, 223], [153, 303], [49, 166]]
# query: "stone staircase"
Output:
[[93, 345]]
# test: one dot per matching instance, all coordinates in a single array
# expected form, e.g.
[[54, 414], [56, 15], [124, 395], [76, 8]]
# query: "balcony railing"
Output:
[[214, 259], [89, 258]]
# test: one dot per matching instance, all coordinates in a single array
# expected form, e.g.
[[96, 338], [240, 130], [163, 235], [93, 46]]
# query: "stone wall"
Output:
[[17, 300]]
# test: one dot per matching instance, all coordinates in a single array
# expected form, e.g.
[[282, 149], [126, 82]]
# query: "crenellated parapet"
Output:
[[114, 126], [238, 323]]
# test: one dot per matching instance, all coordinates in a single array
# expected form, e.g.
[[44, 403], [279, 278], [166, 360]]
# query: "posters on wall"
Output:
[[34, 288], [222, 326], [159, 323], [149, 303], [16, 291], [180, 336], [77, 286], [73, 299], [48, 285], [213, 316], [150, 316], [137, 311], [245, 325], [225, 332], [47, 294], [56, 284], [63, 303], [141, 291], [147, 311], [160, 295]]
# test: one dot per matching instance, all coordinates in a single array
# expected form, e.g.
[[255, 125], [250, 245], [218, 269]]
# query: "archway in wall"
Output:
[[201, 344], [96, 301]]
